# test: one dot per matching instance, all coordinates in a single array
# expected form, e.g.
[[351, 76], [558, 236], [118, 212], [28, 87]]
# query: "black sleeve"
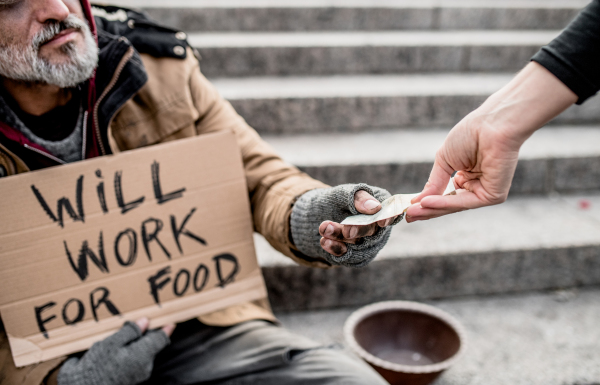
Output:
[[574, 56]]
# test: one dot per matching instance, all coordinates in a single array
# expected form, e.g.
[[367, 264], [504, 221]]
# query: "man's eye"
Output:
[[8, 4]]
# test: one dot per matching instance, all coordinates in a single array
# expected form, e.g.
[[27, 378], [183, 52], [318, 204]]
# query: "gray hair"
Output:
[[24, 63]]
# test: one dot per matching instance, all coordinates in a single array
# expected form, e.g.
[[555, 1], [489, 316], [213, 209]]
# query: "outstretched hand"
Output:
[[484, 147], [335, 236], [486, 159], [317, 233]]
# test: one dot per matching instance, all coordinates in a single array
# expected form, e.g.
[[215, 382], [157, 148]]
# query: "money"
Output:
[[391, 207]]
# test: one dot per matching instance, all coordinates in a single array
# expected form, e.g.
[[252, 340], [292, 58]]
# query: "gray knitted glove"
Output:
[[124, 358], [335, 204]]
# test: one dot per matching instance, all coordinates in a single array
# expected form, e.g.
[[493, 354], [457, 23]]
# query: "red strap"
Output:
[[15, 135]]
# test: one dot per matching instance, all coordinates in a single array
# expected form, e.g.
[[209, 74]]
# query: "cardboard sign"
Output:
[[163, 232]]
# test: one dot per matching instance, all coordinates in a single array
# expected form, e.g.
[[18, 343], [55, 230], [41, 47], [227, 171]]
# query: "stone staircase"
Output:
[[365, 91]]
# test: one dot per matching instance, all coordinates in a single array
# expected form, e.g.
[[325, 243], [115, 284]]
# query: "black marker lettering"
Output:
[[201, 268], [224, 281], [125, 207], [158, 189], [149, 237], [63, 203], [181, 273], [80, 312], [132, 237], [101, 194], [41, 321], [155, 286], [81, 267], [102, 300], [177, 231]]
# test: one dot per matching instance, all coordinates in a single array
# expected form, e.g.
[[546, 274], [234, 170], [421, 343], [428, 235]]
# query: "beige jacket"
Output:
[[179, 102]]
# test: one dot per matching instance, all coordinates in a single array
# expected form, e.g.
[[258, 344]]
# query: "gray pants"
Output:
[[255, 352]]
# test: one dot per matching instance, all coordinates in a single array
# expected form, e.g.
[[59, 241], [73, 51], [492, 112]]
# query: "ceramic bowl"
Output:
[[408, 343]]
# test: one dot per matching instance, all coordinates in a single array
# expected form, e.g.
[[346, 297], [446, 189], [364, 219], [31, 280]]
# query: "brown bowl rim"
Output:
[[379, 307]]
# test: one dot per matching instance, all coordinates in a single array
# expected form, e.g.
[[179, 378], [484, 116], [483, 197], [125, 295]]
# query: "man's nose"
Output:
[[49, 10]]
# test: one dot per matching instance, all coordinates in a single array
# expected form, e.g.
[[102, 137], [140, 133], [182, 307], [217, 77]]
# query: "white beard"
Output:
[[24, 63]]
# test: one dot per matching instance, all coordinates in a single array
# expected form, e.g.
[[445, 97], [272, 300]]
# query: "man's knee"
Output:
[[337, 367]]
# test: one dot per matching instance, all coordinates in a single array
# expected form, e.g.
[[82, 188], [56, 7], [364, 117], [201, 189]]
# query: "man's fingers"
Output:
[[333, 247], [437, 183], [331, 230], [386, 222], [354, 232], [168, 329], [334, 231], [130, 331], [149, 345], [143, 323], [365, 203], [347, 233]]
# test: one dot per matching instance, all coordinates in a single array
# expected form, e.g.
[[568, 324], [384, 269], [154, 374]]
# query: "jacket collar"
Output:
[[120, 75]]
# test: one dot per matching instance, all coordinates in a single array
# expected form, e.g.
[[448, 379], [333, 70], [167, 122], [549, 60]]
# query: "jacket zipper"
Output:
[[58, 160], [84, 136], [108, 88]]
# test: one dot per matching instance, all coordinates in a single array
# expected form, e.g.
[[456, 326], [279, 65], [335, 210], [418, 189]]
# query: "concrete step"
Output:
[[315, 15], [547, 338], [338, 53], [296, 105], [560, 159], [525, 244]]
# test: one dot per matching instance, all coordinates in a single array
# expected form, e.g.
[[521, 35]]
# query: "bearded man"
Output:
[[74, 88]]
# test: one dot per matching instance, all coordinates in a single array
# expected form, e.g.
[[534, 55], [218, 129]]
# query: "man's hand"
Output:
[[336, 236], [487, 160], [317, 233], [125, 358], [484, 147]]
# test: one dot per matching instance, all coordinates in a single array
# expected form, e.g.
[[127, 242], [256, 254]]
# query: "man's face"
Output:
[[46, 41]]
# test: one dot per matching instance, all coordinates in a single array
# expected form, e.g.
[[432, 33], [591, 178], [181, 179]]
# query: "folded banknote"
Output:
[[391, 207]]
